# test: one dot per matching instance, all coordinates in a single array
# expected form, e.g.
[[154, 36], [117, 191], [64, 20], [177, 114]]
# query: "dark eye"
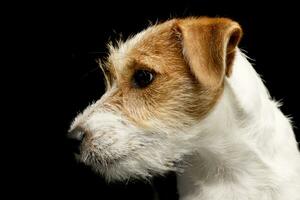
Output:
[[142, 78]]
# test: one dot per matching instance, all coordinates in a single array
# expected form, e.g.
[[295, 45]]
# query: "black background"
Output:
[[271, 38]]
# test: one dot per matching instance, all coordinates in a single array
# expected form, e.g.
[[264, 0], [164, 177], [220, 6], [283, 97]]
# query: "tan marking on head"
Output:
[[190, 57]]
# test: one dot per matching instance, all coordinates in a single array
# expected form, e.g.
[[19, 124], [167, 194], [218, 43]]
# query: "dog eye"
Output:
[[142, 78]]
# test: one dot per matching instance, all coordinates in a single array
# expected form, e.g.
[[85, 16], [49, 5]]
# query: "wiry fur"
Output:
[[227, 143]]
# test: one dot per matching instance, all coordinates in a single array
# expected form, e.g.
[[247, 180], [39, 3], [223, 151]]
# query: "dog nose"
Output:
[[75, 138]]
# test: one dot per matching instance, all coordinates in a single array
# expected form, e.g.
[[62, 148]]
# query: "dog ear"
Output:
[[208, 46]]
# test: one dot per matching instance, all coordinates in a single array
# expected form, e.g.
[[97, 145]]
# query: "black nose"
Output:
[[75, 138]]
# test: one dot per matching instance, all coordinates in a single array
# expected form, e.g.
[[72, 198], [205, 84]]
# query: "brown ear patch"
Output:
[[208, 45]]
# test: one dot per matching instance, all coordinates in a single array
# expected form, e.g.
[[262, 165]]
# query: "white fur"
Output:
[[248, 149], [244, 149]]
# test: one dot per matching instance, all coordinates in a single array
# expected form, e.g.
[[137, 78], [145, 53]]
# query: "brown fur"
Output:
[[190, 58], [209, 46]]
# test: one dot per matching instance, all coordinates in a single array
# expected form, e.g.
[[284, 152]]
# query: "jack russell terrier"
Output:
[[182, 97]]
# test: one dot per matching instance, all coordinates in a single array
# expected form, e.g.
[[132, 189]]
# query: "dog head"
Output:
[[160, 84]]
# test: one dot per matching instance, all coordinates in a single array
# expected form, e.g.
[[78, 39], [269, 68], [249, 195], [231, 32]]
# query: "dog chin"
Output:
[[126, 167]]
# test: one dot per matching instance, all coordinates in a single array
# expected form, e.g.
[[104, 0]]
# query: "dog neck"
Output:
[[238, 142]]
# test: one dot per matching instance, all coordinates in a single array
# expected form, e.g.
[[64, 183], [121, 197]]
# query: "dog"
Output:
[[181, 96]]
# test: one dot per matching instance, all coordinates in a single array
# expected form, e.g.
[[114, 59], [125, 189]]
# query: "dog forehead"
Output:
[[119, 56], [147, 43]]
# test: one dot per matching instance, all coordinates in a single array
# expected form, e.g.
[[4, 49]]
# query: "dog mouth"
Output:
[[99, 161]]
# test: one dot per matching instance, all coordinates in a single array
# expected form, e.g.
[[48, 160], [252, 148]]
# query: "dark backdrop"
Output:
[[271, 37]]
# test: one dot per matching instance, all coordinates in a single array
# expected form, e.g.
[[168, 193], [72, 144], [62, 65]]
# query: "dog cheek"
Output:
[[120, 150]]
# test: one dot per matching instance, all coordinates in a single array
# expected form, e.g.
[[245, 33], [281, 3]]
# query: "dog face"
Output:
[[160, 84]]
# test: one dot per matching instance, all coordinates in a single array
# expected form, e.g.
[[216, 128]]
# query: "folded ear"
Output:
[[209, 45]]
